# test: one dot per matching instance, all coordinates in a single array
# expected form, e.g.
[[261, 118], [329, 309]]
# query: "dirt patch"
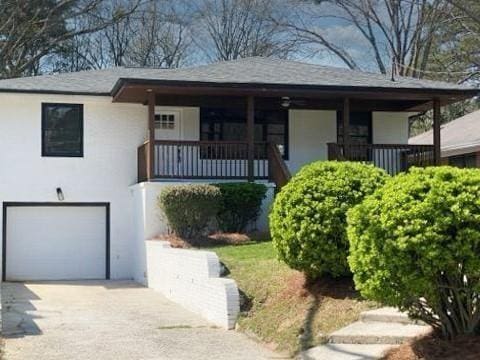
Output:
[[174, 240], [336, 288], [229, 238], [297, 285], [433, 348]]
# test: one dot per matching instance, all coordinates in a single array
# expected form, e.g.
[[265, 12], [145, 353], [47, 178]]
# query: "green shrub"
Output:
[[240, 205], [308, 219], [415, 244], [190, 208]]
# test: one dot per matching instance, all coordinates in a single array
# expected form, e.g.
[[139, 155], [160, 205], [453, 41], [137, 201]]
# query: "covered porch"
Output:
[[247, 158]]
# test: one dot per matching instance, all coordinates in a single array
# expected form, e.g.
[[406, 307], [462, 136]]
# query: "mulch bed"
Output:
[[338, 288], [434, 348], [206, 241]]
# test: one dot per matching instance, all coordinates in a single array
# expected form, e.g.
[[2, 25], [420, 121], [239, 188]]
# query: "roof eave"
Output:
[[54, 92], [463, 93]]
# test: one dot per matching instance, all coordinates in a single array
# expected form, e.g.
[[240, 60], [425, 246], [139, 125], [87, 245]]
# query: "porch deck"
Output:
[[229, 160], [211, 160]]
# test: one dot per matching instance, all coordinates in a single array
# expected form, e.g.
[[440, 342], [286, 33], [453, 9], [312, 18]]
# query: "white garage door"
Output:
[[56, 242]]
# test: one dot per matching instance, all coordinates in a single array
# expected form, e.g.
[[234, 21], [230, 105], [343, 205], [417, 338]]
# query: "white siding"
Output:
[[309, 132], [390, 127], [112, 133]]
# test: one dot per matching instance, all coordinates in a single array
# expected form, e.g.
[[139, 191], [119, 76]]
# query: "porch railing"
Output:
[[277, 169], [143, 153], [202, 160], [394, 158]]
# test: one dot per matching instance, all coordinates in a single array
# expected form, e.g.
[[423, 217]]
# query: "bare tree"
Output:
[[402, 31], [32, 30], [470, 8], [162, 35], [459, 55], [233, 29], [157, 34]]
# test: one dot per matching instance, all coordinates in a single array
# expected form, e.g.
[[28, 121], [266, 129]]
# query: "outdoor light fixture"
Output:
[[285, 102], [60, 194]]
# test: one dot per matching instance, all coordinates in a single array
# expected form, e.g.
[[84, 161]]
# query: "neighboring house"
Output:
[[460, 141], [84, 155]]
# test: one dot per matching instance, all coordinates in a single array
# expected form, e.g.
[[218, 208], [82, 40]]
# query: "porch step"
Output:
[[345, 352], [377, 332], [388, 315]]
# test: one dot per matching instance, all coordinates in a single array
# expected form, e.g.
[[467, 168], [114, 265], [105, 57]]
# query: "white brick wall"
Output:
[[191, 278]]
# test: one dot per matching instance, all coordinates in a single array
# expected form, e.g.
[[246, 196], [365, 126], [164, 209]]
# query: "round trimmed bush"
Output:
[[415, 244], [308, 219]]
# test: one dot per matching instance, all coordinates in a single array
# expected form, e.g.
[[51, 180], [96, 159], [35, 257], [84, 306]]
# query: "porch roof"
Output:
[[307, 86], [264, 77]]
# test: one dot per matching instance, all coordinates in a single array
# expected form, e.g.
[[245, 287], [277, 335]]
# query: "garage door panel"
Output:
[[56, 243]]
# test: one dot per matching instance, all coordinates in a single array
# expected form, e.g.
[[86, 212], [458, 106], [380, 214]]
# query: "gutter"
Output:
[[467, 93], [54, 92]]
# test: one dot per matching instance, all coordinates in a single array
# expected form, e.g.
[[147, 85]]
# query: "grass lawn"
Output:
[[281, 310]]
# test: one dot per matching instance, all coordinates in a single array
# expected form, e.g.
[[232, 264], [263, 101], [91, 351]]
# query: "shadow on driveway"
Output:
[[115, 320]]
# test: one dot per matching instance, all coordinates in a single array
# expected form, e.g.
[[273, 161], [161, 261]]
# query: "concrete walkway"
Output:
[[110, 320], [368, 339]]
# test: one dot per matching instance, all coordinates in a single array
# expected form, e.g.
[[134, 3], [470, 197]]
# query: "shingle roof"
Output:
[[97, 82], [459, 136], [255, 70]]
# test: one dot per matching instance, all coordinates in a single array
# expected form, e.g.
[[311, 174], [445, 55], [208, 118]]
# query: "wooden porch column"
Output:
[[436, 132], [151, 136], [346, 126], [250, 137]]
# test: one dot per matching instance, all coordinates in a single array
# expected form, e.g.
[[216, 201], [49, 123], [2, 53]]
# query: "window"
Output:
[[463, 161], [165, 121], [360, 133], [218, 124], [360, 127], [62, 130]]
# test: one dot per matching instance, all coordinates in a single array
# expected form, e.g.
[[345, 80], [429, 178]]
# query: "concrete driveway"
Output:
[[110, 320]]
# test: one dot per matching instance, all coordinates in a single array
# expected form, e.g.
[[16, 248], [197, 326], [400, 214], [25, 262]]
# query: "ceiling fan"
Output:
[[286, 102]]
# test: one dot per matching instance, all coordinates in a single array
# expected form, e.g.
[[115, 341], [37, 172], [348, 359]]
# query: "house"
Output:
[[460, 141], [84, 155]]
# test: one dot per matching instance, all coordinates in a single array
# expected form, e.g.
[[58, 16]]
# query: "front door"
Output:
[[168, 127]]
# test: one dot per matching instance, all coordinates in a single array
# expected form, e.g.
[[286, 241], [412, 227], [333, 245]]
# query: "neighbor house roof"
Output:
[[248, 71], [459, 136]]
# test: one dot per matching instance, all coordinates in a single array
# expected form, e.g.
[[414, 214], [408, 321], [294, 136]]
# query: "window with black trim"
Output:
[[227, 124], [62, 130], [360, 127]]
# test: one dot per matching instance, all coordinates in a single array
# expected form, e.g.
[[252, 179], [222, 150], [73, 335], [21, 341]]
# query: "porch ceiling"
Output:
[[302, 97]]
